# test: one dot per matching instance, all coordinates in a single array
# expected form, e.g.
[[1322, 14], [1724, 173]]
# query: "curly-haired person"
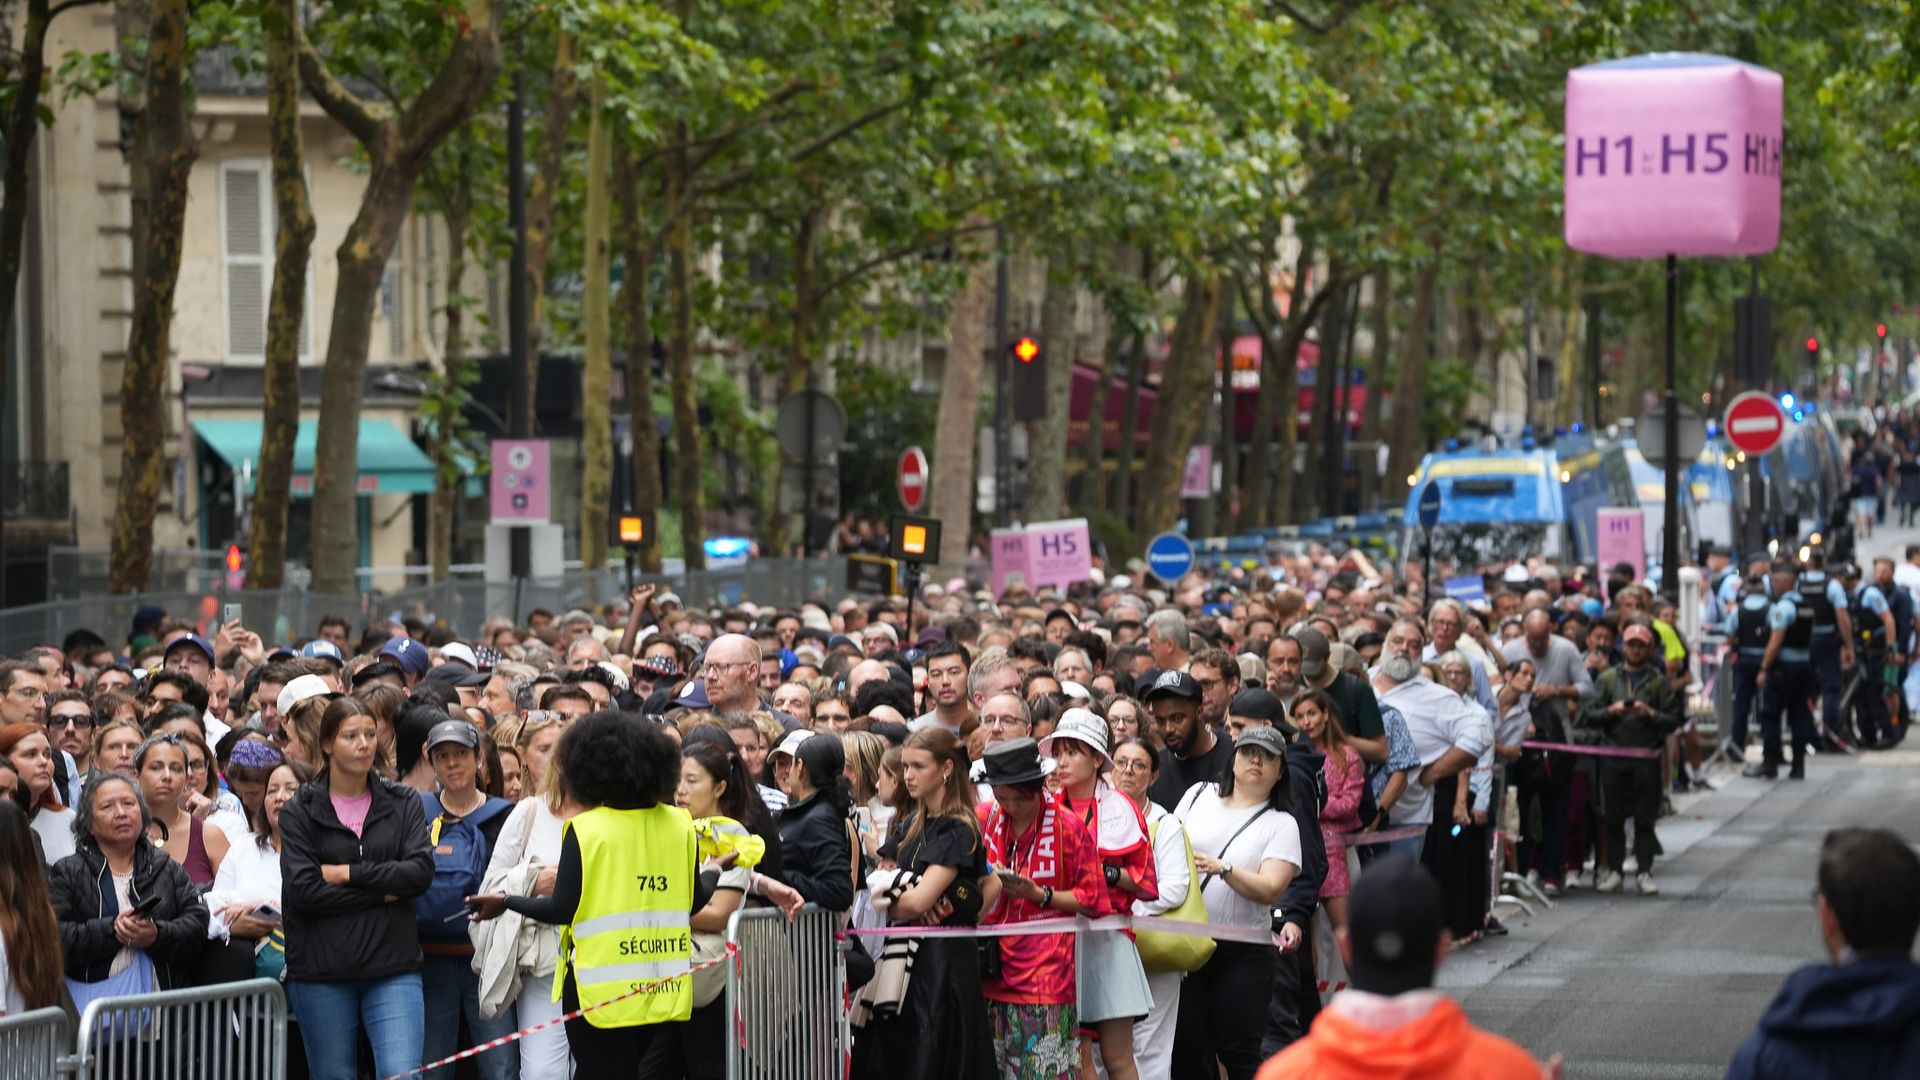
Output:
[[618, 937]]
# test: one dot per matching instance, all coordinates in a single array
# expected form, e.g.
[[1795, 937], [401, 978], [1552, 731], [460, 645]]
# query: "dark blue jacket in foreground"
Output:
[[1854, 1020]]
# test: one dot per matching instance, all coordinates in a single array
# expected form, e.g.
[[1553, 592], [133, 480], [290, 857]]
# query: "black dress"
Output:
[[942, 1029]]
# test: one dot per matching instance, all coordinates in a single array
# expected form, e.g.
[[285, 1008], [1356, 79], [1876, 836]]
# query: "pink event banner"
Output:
[[1044, 553], [1673, 154], [521, 489]]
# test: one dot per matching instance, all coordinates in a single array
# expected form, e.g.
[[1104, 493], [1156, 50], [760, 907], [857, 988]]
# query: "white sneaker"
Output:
[[1648, 886], [1610, 883], [1632, 865]]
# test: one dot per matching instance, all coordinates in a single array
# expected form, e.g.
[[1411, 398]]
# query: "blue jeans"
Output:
[[453, 991], [1411, 847], [332, 1014]]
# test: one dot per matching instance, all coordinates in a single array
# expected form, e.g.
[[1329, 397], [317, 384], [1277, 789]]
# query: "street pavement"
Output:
[[1666, 987]]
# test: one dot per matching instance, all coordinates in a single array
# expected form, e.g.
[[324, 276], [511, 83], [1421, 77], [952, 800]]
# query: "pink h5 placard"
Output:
[[1673, 154]]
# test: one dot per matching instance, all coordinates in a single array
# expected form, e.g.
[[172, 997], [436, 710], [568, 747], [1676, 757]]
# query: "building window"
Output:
[[247, 229]]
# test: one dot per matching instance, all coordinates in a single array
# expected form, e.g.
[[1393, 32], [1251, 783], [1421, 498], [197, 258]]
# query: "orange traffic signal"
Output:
[[1026, 349], [235, 560]]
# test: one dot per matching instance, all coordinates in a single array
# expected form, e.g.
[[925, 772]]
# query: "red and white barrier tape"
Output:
[[503, 1040], [1074, 924], [1596, 751]]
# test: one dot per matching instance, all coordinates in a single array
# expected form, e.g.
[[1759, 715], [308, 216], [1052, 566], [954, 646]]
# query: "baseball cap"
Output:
[[1258, 704], [790, 745], [668, 598], [1171, 684], [457, 674], [194, 640], [1264, 738], [657, 667], [693, 696], [1395, 916], [458, 732], [409, 655], [1637, 631], [1314, 651], [461, 652], [322, 649], [300, 689]]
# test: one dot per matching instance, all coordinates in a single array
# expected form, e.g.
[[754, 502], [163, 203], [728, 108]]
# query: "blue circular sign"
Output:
[[1430, 505], [1170, 556]]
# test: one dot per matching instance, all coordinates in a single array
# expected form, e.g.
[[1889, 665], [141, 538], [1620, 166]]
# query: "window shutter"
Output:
[[248, 258]]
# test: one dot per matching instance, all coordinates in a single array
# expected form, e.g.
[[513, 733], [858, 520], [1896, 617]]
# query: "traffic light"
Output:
[[236, 559], [1028, 383], [1813, 354], [1881, 330]]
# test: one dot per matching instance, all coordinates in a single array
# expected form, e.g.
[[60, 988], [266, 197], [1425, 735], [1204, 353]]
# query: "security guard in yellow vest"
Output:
[[625, 890]]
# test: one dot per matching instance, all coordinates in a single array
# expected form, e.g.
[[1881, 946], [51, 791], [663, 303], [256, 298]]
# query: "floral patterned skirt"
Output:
[[1035, 1042]]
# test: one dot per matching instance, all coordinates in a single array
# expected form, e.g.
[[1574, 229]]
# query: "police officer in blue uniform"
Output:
[[1832, 650], [1750, 634], [1873, 618], [1786, 678], [1730, 587]]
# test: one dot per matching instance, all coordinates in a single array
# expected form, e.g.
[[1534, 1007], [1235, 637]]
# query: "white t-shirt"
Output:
[[55, 828], [12, 1002], [1269, 834]]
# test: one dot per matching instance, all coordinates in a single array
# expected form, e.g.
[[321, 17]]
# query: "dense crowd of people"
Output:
[[434, 842]]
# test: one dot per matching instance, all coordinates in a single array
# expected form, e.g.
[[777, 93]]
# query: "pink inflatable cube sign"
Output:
[[1673, 154]]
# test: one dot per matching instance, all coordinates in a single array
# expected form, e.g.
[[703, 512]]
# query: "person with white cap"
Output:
[[1113, 982]]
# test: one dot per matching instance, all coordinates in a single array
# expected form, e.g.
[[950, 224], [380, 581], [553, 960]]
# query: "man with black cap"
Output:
[[1193, 754], [466, 681], [464, 824], [1359, 705], [1392, 1019], [1747, 626]]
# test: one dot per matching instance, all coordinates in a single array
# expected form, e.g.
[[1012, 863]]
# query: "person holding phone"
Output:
[[130, 919], [1048, 867], [245, 898]]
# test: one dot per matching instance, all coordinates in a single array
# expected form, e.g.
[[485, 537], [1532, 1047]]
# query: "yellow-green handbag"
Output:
[[1162, 951]]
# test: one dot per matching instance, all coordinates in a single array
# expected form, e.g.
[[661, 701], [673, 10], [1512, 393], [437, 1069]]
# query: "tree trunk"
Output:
[[1382, 328], [1091, 494], [1180, 409], [686, 418], [447, 474], [596, 403], [1410, 382], [563, 93], [640, 419], [171, 149], [795, 374], [22, 124], [958, 424], [1326, 384], [1047, 439], [398, 148], [1279, 390], [286, 306]]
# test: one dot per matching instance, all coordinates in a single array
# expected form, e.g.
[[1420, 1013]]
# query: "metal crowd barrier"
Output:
[[31, 1044], [786, 996], [235, 1031]]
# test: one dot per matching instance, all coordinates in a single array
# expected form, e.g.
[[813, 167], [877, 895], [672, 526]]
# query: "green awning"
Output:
[[390, 463]]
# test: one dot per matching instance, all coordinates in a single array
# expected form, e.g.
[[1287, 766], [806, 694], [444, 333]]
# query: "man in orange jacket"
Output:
[[1393, 1023]]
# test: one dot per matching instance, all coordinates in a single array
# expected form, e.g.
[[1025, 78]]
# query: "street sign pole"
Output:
[[1429, 518], [1670, 524]]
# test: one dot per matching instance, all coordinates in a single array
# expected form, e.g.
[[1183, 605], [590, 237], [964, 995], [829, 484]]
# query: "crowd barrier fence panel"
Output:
[[235, 1031], [786, 996], [31, 1044]]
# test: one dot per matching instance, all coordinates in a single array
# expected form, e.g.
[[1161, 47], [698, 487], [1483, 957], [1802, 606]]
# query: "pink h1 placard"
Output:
[[1673, 154]]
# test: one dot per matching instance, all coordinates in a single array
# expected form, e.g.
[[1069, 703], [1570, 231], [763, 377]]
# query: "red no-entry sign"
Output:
[[1755, 423], [913, 479]]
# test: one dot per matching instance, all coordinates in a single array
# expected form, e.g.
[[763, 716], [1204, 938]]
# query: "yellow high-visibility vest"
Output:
[[631, 930]]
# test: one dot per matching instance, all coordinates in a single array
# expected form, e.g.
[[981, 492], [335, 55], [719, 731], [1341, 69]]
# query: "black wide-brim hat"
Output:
[[1015, 761]]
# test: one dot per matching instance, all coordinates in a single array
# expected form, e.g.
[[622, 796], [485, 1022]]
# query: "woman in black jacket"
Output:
[[123, 905], [816, 837], [354, 854]]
